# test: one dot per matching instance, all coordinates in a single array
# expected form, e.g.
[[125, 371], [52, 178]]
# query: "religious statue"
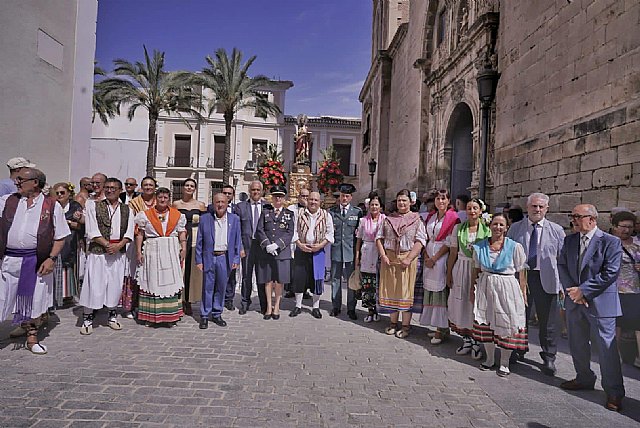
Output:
[[303, 141]]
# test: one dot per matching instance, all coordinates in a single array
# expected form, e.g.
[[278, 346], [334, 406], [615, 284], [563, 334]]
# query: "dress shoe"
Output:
[[266, 317], [352, 315], [574, 385], [229, 306], [242, 310], [613, 403], [289, 295], [186, 308], [315, 312], [548, 367], [219, 321], [204, 323], [334, 312], [295, 312], [275, 316]]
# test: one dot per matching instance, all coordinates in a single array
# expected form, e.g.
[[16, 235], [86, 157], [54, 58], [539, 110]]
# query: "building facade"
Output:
[[565, 116], [46, 76], [196, 150]]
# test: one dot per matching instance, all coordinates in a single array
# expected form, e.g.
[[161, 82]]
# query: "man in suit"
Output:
[[130, 186], [542, 241], [345, 222], [249, 212], [230, 293], [588, 266], [217, 254]]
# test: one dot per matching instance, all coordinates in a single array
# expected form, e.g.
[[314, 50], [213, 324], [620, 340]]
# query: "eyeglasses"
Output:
[[110, 188], [95, 182], [130, 184], [20, 180], [578, 216], [61, 193], [621, 226]]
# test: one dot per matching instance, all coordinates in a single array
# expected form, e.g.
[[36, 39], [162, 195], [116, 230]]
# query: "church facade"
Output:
[[564, 118]]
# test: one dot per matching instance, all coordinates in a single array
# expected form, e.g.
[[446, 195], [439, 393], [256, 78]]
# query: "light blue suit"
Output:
[[596, 277], [216, 268]]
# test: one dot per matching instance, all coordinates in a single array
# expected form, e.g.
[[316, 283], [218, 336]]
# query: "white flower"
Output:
[[486, 217]]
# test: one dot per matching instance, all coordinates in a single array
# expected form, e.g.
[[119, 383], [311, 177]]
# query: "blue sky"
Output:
[[323, 46]]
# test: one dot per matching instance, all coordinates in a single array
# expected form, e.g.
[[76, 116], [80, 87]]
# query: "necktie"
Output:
[[255, 219], [532, 260], [344, 211], [584, 243]]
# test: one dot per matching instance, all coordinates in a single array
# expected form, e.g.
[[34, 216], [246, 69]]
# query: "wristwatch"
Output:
[[53, 259]]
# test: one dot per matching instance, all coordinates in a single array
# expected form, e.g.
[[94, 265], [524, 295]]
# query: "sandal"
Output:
[[32, 343], [466, 347], [391, 329], [438, 338], [476, 351], [114, 324], [376, 317], [403, 333], [503, 372], [87, 325]]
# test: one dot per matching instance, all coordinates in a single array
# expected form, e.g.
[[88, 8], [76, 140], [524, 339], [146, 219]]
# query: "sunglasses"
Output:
[[227, 193], [61, 193], [578, 216], [130, 184], [20, 180]]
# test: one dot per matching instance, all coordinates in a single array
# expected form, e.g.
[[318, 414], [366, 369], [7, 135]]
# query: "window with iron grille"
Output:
[[218, 151], [216, 187], [182, 150], [176, 190]]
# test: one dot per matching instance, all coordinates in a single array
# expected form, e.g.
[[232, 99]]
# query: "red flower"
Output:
[[333, 181]]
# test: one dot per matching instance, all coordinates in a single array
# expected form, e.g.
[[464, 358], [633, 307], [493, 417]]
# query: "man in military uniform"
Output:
[[345, 222], [274, 233]]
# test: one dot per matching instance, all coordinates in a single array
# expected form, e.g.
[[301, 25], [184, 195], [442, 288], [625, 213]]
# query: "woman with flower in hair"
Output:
[[367, 255], [439, 225], [64, 274], [500, 298], [460, 275]]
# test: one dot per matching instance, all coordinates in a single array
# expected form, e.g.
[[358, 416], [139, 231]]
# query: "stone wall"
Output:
[[568, 104]]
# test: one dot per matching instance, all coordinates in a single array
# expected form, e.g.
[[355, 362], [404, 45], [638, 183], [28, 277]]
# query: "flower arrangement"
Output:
[[329, 174], [271, 172]]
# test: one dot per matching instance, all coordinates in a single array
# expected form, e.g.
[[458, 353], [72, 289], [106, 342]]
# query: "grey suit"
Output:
[[544, 283], [596, 277], [342, 253]]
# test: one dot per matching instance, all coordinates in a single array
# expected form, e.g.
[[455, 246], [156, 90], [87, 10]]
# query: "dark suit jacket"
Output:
[[123, 196], [597, 275], [344, 232], [276, 230], [243, 210], [206, 241]]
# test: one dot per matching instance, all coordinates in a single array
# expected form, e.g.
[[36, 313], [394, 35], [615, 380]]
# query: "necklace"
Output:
[[162, 215], [149, 205], [492, 246]]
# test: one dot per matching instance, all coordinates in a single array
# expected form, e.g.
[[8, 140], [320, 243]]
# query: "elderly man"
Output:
[[303, 195], [542, 240], [249, 212], [345, 222], [314, 230], [97, 184], [85, 191], [32, 232], [15, 165], [588, 266], [109, 225], [230, 192], [130, 186], [218, 255]]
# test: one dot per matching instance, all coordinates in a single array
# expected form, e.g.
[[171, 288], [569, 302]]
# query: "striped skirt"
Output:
[[518, 341], [396, 288], [154, 309], [64, 282]]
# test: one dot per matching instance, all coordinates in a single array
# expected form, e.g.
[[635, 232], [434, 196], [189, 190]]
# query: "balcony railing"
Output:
[[212, 164], [179, 162]]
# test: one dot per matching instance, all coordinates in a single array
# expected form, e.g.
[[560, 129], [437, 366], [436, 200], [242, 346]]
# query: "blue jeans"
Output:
[[341, 270]]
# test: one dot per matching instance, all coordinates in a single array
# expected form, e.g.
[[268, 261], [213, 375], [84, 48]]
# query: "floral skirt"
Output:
[[369, 290]]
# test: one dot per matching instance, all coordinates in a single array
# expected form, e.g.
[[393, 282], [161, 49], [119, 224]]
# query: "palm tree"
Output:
[[148, 85], [104, 107], [233, 90]]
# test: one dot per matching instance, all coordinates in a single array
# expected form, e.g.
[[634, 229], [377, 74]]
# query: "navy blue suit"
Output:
[[596, 277], [252, 249], [216, 268]]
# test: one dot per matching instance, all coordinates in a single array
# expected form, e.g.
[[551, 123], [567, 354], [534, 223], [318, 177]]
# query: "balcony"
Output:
[[179, 162], [211, 163], [352, 171]]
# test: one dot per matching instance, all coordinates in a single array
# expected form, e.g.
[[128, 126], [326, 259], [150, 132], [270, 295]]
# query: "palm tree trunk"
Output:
[[153, 141], [226, 169]]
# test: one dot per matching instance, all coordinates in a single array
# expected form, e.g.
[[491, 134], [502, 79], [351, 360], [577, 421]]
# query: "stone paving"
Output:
[[291, 372]]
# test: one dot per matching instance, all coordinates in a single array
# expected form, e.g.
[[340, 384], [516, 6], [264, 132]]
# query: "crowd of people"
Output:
[[458, 268]]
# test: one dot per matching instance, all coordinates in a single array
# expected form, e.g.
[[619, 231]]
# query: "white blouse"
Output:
[[145, 225]]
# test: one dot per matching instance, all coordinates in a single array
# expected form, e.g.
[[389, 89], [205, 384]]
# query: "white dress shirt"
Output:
[[23, 233], [221, 233]]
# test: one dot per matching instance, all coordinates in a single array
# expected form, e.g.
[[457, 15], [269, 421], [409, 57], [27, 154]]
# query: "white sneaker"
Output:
[[431, 334], [368, 318], [436, 340]]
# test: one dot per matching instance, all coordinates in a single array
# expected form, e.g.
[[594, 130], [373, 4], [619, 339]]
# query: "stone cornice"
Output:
[[328, 121]]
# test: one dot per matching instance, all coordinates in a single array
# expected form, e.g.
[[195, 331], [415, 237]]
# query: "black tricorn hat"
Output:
[[278, 190], [347, 188]]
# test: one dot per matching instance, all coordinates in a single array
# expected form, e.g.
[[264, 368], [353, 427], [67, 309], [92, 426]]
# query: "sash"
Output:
[[172, 222], [26, 283], [463, 236], [450, 220], [502, 261], [318, 271]]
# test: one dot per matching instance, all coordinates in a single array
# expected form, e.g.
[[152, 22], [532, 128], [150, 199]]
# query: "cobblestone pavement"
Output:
[[290, 372]]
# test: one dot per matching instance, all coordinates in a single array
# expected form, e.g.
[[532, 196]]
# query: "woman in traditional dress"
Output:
[[64, 278], [366, 257], [460, 275], [162, 229], [499, 298], [439, 225], [144, 201], [192, 210], [629, 278], [399, 241]]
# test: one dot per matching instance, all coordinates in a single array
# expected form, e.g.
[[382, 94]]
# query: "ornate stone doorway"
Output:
[[459, 141]]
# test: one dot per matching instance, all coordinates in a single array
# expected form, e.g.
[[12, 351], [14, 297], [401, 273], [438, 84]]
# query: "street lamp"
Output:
[[372, 170], [487, 81]]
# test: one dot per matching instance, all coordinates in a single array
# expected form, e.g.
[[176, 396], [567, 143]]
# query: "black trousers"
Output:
[[547, 311], [248, 267]]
